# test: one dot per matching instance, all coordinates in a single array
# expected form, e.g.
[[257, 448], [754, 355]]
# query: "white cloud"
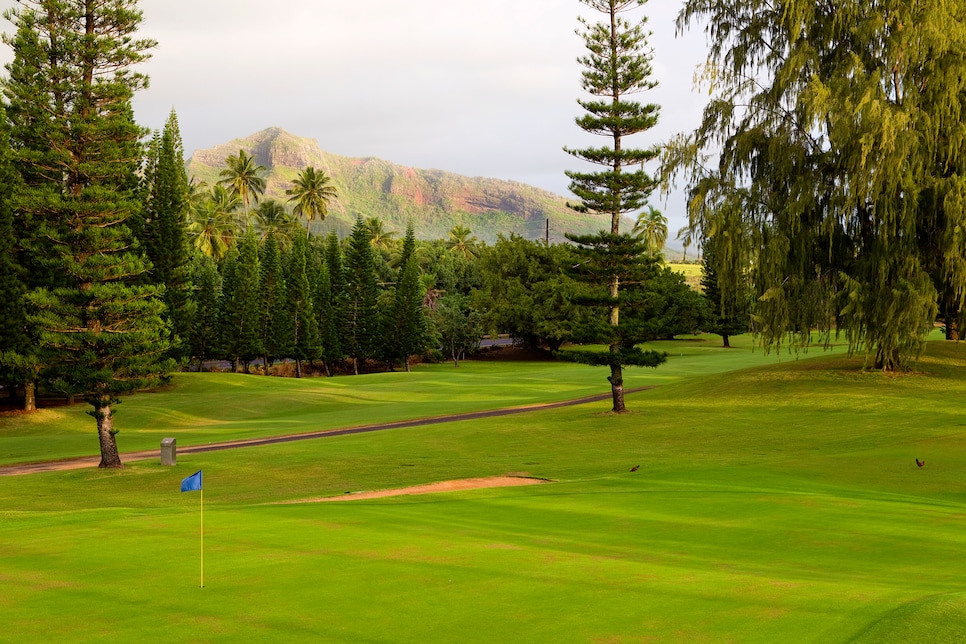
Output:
[[481, 88]]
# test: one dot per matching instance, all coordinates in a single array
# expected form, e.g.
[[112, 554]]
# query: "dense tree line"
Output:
[[116, 268]]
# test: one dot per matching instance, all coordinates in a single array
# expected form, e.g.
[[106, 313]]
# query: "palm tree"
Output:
[[462, 242], [271, 216], [244, 178], [311, 193], [651, 228], [197, 193], [213, 227], [378, 235]]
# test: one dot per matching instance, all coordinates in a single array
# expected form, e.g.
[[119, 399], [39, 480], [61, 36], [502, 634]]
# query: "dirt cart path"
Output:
[[92, 461]]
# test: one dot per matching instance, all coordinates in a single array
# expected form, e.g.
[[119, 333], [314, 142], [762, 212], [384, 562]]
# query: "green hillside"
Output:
[[436, 201]]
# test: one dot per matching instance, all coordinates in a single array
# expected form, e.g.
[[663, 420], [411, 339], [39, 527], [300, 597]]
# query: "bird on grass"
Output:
[[920, 463], [634, 469]]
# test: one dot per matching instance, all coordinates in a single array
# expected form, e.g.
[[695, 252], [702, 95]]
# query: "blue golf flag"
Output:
[[192, 483]]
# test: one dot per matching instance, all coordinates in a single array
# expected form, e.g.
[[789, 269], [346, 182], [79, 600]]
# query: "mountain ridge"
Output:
[[435, 200]]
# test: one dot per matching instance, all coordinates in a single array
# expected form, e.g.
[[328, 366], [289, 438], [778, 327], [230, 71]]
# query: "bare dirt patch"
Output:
[[431, 488]]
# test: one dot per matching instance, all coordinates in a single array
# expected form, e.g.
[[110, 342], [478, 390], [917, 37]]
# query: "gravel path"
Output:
[[92, 461]]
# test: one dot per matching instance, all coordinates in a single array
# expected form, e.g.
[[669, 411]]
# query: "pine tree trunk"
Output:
[[30, 396], [725, 340], [298, 368], [408, 368], [105, 433], [616, 377], [617, 388]]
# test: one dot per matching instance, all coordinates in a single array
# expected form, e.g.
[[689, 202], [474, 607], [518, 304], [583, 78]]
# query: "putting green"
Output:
[[623, 558]]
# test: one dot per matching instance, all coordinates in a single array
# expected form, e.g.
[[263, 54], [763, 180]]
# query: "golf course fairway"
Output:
[[773, 502]]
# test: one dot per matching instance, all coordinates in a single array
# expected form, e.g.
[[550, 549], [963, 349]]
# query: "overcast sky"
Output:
[[478, 88]]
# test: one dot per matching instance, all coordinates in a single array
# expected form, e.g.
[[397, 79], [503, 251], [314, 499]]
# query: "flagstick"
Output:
[[202, 538]]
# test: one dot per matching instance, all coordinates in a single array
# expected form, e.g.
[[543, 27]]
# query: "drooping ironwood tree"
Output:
[[836, 131]]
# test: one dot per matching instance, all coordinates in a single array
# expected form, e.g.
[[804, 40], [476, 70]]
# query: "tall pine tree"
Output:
[[15, 360], [207, 284], [361, 315], [273, 325], [301, 320], [406, 324], [246, 310], [70, 87], [617, 65], [226, 340], [162, 229], [331, 303]]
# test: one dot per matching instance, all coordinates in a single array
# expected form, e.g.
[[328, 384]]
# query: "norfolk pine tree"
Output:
[[407, 328], [303, 327], [617, 65], [226, 340], [324, 318], [331, 303], [162, 229], [207, 285], [69, 94], [361, 312], [246, 310], [15, 361], [274, 333]]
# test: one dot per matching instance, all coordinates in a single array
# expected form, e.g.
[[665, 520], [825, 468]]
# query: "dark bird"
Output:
[[634, 469], [920, 463]]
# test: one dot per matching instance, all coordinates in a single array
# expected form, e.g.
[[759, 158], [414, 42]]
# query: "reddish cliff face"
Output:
[[406, 182]]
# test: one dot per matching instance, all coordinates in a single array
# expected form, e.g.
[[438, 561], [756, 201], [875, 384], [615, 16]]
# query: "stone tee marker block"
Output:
[[169, 451]]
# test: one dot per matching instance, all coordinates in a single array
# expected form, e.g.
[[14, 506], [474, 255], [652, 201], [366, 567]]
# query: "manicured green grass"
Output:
[[205, 408], [776, 503]]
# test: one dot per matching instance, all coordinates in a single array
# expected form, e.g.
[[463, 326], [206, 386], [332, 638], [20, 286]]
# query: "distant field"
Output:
[[692, 272], [775, 502]]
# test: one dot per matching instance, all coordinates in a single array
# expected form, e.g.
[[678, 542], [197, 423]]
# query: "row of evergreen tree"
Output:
[[308, 302], [279, 294], [102, 291]]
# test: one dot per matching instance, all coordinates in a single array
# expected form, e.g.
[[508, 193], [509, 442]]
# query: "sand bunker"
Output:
[[431, 488]]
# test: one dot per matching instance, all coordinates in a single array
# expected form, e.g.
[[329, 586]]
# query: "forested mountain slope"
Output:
[[436, 201]]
